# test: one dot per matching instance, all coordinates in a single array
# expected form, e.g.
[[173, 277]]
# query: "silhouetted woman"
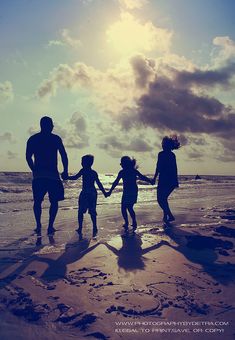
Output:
[[168, 179]]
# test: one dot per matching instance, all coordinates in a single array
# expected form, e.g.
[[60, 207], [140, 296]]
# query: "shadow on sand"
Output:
[[203, 250]]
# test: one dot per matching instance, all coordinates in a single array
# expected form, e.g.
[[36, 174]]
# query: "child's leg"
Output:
[[124, 215], [133, 217]]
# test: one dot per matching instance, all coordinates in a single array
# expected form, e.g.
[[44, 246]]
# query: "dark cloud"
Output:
[[143, 70], [195, 154], [209, 78], [113, 143], [198, 141], [77, 136], [226, 150], [168, 107]]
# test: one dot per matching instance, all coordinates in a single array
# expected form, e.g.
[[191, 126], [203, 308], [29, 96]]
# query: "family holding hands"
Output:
[[46, 179]]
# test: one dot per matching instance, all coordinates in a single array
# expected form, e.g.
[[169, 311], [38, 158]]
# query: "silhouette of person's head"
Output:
[[170, 143], [46, 124], [128, 163], [87, 161]]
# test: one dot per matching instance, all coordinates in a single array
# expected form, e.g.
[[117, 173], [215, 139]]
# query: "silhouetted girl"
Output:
[[129, 175], [168, 179]]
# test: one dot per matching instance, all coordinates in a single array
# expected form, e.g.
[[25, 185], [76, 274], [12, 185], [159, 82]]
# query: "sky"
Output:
[[116, 76]]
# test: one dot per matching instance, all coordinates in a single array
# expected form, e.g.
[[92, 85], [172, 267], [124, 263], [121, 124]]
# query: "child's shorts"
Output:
[[87, 201]]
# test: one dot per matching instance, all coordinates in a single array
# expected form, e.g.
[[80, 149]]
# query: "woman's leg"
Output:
[[162, 198]]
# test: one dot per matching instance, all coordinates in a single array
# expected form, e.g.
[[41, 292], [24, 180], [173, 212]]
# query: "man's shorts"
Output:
[[53, 187], [87, 201]]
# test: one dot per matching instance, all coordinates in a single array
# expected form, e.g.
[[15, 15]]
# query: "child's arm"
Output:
[[100, 186], [143, 178], [73, 178], [115, 183]]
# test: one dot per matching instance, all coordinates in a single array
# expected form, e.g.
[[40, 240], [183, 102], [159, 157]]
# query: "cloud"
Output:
[[7, 136], [6, 92], [225, 50], [144, 70], [11, 154], [112, 144], [129, 35], [169, 106], [77, 136], [209, 78], [69, 40], [66, 76], [132, 4], [66, 40], [194, 154], [55, 43]]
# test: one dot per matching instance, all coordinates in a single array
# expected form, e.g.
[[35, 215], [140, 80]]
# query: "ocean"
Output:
[[203, 202]]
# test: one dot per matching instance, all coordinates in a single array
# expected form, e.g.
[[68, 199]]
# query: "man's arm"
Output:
[[64, 157], [29, 154]]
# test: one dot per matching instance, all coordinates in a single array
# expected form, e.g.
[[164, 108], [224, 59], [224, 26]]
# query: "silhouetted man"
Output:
[[41, 156]]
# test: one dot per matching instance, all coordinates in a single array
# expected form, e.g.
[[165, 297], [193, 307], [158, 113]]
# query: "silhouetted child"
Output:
[[129, 175], [168, 179], [88, 196]]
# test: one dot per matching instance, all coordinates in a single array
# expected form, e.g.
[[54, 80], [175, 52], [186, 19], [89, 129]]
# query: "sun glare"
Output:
[[128, 35]]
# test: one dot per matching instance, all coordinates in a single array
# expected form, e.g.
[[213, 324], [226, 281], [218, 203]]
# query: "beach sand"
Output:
[[122, 286]]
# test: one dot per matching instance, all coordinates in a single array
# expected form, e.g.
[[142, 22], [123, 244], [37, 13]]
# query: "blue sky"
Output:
[[112, 75]]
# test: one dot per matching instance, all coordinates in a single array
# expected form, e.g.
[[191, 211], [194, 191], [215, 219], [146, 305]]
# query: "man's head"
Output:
[[46, 124], [87, 161]]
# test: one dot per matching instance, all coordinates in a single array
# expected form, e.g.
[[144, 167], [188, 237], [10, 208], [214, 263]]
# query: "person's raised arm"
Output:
[[115, 183], [64, 157], [29, 155]]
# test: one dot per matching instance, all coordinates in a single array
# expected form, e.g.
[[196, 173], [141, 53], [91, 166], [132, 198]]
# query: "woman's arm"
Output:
[[157, 169]]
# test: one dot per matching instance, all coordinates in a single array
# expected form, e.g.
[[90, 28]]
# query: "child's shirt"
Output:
[[89, 177]]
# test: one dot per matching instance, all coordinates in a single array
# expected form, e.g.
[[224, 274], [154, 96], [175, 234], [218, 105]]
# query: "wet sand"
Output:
[[123, 286]]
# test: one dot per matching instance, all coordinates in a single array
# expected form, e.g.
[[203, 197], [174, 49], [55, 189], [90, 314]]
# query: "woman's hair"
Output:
[[170, 143], [127, 162]]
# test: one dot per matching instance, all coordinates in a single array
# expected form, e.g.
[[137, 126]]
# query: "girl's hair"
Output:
[[170, 143], [127, 162]]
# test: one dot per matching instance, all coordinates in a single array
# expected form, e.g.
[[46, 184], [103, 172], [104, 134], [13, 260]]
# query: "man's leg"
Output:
[[37, 209], [80, 221], [52, 215]]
